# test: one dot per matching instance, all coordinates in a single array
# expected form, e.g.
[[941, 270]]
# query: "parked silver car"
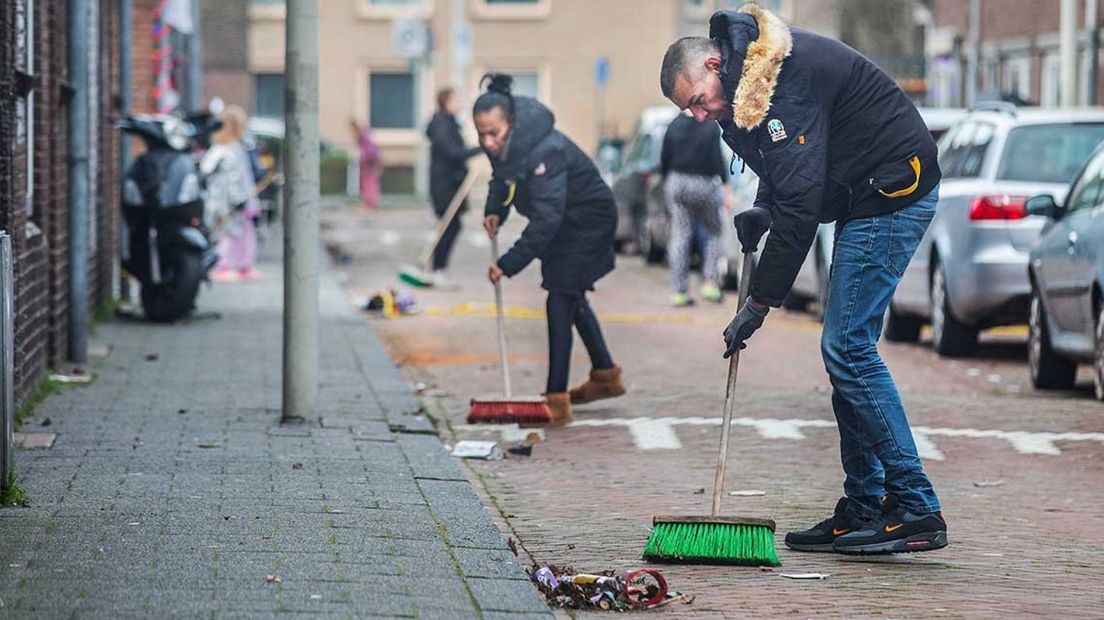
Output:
[[811, 285], [970, 269], [1066, 317], [637, 186]]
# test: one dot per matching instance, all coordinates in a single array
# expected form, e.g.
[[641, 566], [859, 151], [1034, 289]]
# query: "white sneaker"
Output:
[[443, 282]]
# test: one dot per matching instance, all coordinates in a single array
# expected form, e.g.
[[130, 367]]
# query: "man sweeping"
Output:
[[832, 138]]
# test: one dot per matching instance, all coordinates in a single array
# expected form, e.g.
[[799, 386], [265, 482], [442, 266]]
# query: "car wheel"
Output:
[[950, 337], [901, 328], [1098, 357], [729, 276], [1049, 371]]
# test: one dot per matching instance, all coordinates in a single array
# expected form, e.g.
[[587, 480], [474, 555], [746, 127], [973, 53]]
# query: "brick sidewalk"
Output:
[[172, 491]]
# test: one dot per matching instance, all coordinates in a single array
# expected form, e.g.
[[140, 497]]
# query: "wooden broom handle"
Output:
[[446, 219], [729, 404], [500, 321]]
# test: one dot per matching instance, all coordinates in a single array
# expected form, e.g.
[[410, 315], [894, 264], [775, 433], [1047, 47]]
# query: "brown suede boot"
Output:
[[603, 383], [559, 404]]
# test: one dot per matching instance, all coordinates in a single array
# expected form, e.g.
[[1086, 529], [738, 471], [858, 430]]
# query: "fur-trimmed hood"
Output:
[[754, 44]]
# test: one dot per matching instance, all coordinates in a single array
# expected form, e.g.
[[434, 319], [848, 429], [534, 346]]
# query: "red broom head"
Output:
[[508, 412]]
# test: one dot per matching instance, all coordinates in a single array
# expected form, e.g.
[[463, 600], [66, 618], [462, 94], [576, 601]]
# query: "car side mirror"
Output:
[[1043, 205]]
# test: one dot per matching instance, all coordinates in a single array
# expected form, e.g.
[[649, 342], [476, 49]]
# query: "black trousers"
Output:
[[441, 191], [443, 251], [564, 310]]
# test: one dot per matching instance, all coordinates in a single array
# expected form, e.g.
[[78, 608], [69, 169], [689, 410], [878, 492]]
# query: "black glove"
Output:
[[751, 225], [743, 325]]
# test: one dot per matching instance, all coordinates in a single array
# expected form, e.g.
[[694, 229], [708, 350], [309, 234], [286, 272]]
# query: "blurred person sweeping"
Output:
[[696, 189], [448, 167], [231, 205], [572, 220], [832, 138]]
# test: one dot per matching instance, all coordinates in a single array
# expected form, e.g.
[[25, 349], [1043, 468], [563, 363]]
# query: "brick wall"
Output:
[[40, 233], [224, 28]]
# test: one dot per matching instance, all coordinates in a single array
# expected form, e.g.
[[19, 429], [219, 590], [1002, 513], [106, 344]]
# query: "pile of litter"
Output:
[[636, 590], [391, 303]]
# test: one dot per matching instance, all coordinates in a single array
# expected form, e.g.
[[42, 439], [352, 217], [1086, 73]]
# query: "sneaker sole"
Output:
[[812, 548], [913, 544]]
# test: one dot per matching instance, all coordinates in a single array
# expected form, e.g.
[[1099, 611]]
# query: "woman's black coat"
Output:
[[448, 159], [572, 216]]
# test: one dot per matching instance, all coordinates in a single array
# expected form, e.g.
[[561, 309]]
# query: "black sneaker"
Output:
[[896, 531], [821, 536]]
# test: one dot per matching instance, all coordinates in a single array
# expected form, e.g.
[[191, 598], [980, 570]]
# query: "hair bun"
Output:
[[498, 83]]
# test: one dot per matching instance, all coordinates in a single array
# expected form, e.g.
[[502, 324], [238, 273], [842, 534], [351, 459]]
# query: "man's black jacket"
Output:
[[830, 135]]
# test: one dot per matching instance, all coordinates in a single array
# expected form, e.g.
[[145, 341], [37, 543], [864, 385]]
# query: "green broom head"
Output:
[[712, 540], [415, 276]]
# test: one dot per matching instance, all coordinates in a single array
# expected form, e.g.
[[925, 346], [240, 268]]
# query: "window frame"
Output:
[[488, 11], [416, 9]]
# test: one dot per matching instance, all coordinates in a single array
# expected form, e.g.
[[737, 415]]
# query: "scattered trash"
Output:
[[973, 372], [297, 466], [152, 357], [484, 450], [134, 523], [391, 303], [993, 555], [315, 597], [182, 411], [522, 449], [46, 422], [700, 491], [512, 545], [819, 576], [984, 484], [34, 441], [747, 493], [272, 579], [994, 378], [607, 591], [419, 388], [208, 446], [534, 438], [78, 376]]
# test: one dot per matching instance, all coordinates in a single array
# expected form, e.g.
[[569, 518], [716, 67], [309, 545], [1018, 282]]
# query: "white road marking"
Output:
[[659, 433]]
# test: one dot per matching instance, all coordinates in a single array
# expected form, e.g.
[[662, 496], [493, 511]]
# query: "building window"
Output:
[[526, 83], [394, 9], [391, 100], [1050, 82], [268, 95], [511, 9], [1017, 77]]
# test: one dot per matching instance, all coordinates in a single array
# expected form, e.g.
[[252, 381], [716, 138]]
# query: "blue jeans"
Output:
[[876, 445]]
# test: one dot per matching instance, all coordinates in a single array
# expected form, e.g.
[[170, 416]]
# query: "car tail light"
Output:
[[1002, 207]]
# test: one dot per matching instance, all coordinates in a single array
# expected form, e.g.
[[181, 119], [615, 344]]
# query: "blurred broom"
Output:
[[421, 275]]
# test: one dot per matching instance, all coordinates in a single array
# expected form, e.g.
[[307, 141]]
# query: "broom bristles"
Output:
[[415, 277], [509, 412], [700, 542]]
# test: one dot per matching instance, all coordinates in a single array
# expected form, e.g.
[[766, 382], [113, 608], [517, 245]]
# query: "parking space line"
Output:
[[660, 433]]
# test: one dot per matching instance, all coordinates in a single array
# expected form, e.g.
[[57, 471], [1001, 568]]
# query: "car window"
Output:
[[962, 150], [1086, 192], [1048, 153]]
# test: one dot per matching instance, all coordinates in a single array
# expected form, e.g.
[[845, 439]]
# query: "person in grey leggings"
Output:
[[696, 190]]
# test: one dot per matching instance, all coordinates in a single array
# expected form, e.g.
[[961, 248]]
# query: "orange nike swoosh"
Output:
[[839, 532], [893, 528]]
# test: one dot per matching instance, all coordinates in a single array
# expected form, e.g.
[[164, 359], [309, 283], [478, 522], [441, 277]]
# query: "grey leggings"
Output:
[[693, 201]]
